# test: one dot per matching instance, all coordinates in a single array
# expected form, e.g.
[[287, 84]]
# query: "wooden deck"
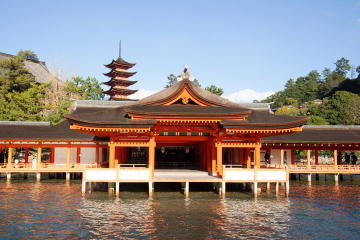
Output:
[[170, 175]]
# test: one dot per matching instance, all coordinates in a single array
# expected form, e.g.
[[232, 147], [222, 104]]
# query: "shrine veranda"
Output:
[[182, 134]]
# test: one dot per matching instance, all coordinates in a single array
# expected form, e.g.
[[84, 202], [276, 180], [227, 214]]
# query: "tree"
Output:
[[342, 66], [215, 90], [85, 89], [28, 55], [291, 102], [316, 120], [287, 111], [358, 71], [172, 80], [341, 108], [20, 95]]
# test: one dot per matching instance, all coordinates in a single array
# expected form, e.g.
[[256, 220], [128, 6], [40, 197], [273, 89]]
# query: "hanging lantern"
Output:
[[271, 156], [162, 149], [187, 149]]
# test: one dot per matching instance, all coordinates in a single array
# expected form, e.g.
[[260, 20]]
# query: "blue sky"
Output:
[[248, 48]]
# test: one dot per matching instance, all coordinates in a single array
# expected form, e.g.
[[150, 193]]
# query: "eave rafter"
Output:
[[264, 131], [110, 129]]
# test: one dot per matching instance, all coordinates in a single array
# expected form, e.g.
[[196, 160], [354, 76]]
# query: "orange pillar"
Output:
[[247, 157], [213, 157], [117, 156], [335, 160], [233, 154], [97, 154], [316, 157], [9, 157], [39, 158], [228, 155], [281, 158], [219, 157], [293, 156], [26, 155], [257, 152], [68, 157], [308, 159], [78, 155], [152, 155], [112, 153], [208, 156], [52, 155]]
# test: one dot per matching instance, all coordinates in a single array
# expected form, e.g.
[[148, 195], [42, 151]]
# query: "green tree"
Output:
[[215, 90], [342, 66], [316, 120], [291, 102], [28, 55], [341, 108], [287, 111], [85, 89], [20, 97], [172, 80]]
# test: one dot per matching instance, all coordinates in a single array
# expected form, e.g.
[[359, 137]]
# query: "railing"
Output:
[[325, 167], [243, 166], [31, 166], [189, 165], [132, 166]]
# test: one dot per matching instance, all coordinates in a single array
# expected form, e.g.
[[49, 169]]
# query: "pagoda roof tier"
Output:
[[120, 62], [114, 81], [114, 98], [119, 90], [187, 101], [114, 73]]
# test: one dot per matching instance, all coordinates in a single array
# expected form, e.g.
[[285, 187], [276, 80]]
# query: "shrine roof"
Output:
[[113, 71], [120, 90], [320, 134], [42, 131], [121, 62], [263, 119], [113, 80]]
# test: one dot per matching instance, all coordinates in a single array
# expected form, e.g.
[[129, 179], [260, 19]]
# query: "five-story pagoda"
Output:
[[119, 82]]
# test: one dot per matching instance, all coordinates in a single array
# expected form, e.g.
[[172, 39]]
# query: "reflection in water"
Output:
[[56, 209]]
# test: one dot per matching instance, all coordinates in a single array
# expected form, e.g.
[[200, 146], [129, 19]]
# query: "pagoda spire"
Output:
[[119, 83]]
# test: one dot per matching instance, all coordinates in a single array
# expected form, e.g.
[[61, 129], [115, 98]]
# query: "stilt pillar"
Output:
[[151, 188], [223, 189], [255, 190], [309, 177], [8, 176], [268, 186], [117, 188], [276, 188], [38, 176], [67, 176], [287, 188], [83, 188], [186, 192], [111, 187], [336, 178]]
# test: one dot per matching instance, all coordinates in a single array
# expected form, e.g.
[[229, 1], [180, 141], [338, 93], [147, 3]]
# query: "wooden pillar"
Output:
[[52, 155], [233, 154], [257, 152], [247, 157], [39, 158], [97, 154], [117, 155], [151, 155], [281, 158], [112, 152], [213, 157], [26, 155], [68, 157], [335, 160], [240, 156], [219, 157], [228, 155], [78, 151], [10, 157], [208, 155], [308, 159], [292, 156], [316, 157]]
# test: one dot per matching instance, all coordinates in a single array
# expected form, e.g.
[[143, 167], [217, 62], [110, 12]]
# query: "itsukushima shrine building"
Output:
[[181, 134]]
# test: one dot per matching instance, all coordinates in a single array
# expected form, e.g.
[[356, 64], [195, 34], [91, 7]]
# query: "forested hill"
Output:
[[339, 90]]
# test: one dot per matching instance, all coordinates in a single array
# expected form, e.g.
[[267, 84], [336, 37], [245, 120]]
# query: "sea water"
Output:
[[55, 209]]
